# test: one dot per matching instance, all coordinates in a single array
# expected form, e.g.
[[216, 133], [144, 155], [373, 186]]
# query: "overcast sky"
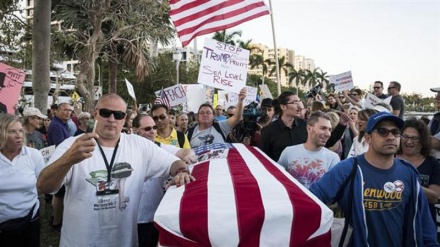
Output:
[[377, 40]]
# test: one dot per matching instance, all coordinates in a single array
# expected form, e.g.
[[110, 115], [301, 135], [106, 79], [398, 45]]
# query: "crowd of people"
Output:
[[111, 167]]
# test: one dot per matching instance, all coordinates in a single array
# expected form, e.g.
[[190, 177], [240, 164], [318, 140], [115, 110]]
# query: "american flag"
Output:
[[245, 199], [194, 18], [162, 99], [206, 148]]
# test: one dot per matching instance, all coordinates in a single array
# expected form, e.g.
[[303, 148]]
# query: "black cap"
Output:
[[267, 102]]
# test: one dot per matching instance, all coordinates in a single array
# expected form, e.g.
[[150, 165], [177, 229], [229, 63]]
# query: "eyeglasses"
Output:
[[412, 138], [293, 102], [106, 113], [150, 128], [341, 97], [376, 87], [205, 113], [161, 117], [391, 88], [384, 132]]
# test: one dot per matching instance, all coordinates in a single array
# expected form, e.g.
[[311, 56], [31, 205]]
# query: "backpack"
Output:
[[216, 127], [181, 138]]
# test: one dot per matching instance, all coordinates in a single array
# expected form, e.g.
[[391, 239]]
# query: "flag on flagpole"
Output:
[[162, 99], [243, 199], [194, 18]]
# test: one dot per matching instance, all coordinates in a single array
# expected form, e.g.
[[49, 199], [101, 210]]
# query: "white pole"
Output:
[[275, 49]]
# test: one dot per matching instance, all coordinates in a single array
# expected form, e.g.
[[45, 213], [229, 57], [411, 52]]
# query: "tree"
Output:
[[95, 25], [283, 66], [258, 61], [311, 77], [228, 38], [297, 76]]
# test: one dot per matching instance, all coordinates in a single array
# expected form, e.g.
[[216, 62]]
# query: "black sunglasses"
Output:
[[106, 113], [384, 132], [161, 117], [149, 128], [376, 87], [230, 115]]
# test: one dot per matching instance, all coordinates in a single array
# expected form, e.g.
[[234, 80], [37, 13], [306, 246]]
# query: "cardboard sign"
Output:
[[342, 81], [47, 152], [232, 98], [97, 92], [176, 94], [223, 66], [130, 89], [195, 94], [266, 92], [11, 82], [371, 100]]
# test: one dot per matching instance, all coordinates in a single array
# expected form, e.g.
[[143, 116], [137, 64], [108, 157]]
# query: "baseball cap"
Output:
[[381, 116], [435, 89], [32, 111], [267, 102]]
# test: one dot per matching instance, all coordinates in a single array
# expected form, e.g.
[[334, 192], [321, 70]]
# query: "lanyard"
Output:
[[107, 165]]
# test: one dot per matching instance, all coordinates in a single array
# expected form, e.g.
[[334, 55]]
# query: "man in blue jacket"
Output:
[[388, 207]]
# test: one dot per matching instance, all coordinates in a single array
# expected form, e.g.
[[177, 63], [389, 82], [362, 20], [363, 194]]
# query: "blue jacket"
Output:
[[418, 226]]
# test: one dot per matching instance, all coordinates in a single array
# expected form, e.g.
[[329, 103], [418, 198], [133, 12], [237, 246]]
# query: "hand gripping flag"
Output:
[[194, 18], [245, 199]]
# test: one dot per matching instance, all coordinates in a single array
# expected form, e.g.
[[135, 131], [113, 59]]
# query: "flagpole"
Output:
[[275, 49]]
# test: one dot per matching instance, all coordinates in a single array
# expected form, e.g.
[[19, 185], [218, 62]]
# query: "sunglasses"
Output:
[[230, 115], [384, 132], [376, 87], [391, 87], [106, 113], [161, 117], [150, 128]]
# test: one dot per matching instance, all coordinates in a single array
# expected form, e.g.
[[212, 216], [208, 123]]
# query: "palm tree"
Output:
[[311, 77], [228, 38], [258, 61], [323, 79], [298, 76], [284, 66]]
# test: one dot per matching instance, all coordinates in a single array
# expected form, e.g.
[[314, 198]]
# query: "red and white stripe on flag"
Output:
[[193, 18], [245, 199], [162, 99]]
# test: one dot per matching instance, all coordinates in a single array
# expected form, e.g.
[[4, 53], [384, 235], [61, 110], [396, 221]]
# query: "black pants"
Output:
[[30, 237], [148, 235]]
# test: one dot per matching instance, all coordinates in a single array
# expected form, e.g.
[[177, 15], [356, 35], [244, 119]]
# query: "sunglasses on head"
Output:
[[106, 113], [384, 132], [150, 128], [161, 117]]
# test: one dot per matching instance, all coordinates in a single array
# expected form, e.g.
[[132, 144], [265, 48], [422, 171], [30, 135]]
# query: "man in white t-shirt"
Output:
[[310, 161], [208, 131], [104, 184], [153, 190]]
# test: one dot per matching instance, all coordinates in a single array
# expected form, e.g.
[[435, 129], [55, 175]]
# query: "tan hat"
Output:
[[32, 111]]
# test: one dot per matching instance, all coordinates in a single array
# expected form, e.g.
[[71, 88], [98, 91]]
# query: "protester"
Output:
[[19, 204], [397, 100], [166, 133], [387, 206], [360, 145], [378, 90], [104, 184], [43, 130], [83, 123], [230, 111], [219, 113], [33, 120], [182, 122], [129, 122], [415, 147], [355, 98], [153, 188], [332, 103], [267, 108], [309, 161], [208, 131]]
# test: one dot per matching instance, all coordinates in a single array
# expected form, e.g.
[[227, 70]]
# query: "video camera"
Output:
[[314, 91]]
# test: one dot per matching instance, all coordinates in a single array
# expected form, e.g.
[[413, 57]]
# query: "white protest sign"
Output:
[[232, 98], [371, 100], [195, 94], [266, 92], [97, 90], [223, 66], [342, 81], [130, 89], [47, 152], [176, 94]]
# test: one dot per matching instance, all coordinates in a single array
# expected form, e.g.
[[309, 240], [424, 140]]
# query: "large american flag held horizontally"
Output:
[[245, 199], [193, 18]]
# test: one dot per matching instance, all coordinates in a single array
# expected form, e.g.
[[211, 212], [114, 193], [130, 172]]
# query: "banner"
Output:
[[11, 82], [342, 81], [223, 66], [176, 95]]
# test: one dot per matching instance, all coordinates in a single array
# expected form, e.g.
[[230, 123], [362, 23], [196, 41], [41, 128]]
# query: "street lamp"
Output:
[[177, 56]]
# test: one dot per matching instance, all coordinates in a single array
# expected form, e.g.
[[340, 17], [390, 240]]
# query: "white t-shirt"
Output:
[[209, 135], [111, 220], [358, 148], [18, 180], [307, 166], [152, 192]]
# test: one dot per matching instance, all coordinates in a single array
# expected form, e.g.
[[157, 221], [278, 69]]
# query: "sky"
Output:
[[382, 40]]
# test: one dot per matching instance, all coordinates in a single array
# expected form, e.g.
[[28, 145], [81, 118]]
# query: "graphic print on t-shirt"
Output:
[[307, 170], [106, 191], [386, 198], [206, 139]]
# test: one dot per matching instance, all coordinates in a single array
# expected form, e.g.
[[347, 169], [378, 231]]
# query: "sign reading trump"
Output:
[[223, 66]]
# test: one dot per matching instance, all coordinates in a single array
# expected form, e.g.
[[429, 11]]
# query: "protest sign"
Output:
[[11, 82], [342, 81], [232, 98], [371, 100], [47, 152], [223, 66], [176, 94], [266, 92], [130, 89], [195, 94]]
